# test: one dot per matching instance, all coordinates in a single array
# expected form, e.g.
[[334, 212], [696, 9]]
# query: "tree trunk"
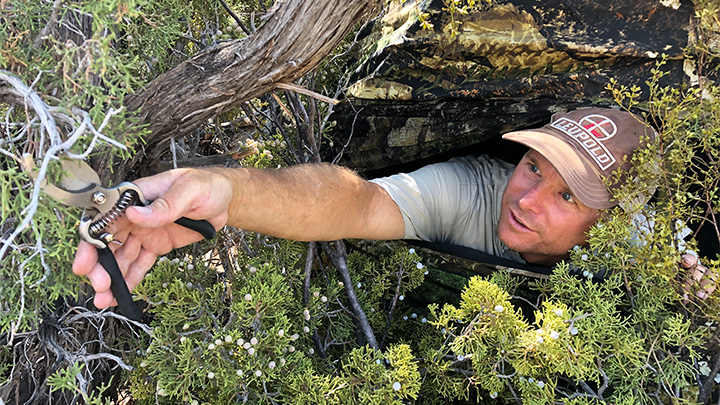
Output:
[[296, 36]]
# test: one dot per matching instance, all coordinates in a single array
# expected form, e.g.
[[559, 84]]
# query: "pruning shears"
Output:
[[80, 187]]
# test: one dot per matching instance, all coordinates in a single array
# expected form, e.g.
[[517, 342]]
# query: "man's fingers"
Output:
[[156, 186], [104, 299], [708, 281], [178, 196], [85, 259], [709, 285], [139, 267], [703, 275], [156, 215], [688, 261], [101, 282], [99, 278], [697, 272], [127, 253], [700, 276]]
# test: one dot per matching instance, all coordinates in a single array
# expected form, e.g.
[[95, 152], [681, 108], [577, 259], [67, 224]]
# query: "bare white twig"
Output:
[[87, 123], [173, 149], [108, 356], [306, 91], [572, 321], [84, 313], [14, 326], [352, 131], [41, 251], [30, 97], [48, 124]]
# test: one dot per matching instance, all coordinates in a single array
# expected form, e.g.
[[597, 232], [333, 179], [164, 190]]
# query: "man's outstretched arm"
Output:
[[307, 202], [312, 202]]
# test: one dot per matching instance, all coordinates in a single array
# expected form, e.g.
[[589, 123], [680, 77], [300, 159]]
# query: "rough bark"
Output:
[[295, 37]]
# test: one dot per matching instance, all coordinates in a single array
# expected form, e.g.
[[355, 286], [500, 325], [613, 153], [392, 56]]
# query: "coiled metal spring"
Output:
[[127, 198]]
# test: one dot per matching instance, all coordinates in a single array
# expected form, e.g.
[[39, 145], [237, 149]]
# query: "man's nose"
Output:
[[533, 198]]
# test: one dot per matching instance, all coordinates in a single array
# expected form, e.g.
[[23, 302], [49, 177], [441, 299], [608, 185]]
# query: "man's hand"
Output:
[[146, 232], [698, 275]]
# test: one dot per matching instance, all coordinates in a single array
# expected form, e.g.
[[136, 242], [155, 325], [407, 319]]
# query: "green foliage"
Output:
[[219, 336], [199, 342], [65, 380], [231, 321], [42, 275]]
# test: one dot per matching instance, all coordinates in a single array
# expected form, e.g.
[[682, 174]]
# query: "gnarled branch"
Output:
[[296, 36]]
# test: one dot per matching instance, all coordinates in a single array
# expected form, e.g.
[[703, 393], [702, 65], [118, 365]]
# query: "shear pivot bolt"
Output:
[[107, 238], [99, 198]]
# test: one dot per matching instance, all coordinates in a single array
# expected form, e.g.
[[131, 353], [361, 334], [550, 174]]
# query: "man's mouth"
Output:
[[519, 223]]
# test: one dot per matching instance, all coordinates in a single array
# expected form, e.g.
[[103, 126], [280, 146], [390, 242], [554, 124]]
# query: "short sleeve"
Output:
[[456, 202]]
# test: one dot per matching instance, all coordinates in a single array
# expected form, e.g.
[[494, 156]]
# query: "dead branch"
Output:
[[393, 302], [307, 92], [338, 257], [235, 17], [708, 385]]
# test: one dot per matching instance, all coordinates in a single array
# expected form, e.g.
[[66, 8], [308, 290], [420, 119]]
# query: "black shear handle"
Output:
[[118, 286], [117, 281], [200, 226]]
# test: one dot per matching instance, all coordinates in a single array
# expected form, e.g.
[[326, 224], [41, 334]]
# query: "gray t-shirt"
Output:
[[455, 202]]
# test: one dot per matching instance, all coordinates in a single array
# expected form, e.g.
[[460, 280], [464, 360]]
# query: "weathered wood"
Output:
[[521, 49], [388, 137], [295, 37]]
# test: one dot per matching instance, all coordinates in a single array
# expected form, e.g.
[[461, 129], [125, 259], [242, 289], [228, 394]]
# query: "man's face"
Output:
[[539, 217]]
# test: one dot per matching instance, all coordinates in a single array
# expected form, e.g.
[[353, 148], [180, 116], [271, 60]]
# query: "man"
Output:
[[535, 212]]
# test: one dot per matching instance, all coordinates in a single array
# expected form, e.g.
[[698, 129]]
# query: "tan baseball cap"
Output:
[[586, 146]]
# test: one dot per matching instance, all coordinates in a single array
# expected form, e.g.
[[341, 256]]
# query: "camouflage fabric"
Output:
[[519, 48], [422, 96]]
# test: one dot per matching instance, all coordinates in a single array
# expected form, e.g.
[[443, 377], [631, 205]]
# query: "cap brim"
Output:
[[579, 175]]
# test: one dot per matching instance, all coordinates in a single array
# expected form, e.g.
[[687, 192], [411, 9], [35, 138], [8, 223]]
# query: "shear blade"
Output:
[[80, 175], [80, 184]]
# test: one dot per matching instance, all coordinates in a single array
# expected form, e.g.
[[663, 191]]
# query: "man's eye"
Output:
[[534, 168], [567, 197]]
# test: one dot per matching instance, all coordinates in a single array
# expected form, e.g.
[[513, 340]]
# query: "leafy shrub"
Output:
[[253, 319]]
